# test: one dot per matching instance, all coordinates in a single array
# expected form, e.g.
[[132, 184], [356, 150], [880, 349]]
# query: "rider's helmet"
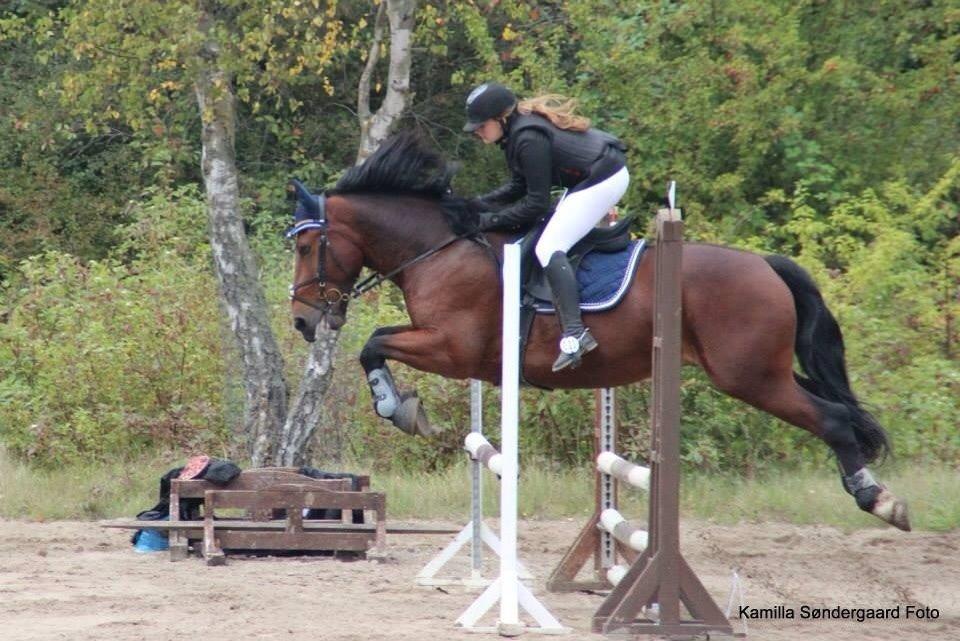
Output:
[[487, 101]]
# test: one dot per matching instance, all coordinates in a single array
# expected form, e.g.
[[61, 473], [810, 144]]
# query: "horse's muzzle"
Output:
[[332, 321], [308, 331]]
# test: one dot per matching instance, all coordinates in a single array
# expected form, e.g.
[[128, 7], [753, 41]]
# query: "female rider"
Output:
[[546, 145]]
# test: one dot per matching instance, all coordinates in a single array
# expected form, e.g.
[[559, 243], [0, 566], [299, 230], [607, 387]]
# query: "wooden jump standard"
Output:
[[661, 576]]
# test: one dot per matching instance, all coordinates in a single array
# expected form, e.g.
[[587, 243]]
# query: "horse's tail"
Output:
[[820, 351]]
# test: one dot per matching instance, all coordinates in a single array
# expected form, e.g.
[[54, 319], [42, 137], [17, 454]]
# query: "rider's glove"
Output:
[[488, 220]]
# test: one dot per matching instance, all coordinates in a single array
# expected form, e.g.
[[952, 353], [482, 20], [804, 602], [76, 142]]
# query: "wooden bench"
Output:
[[261, 493]]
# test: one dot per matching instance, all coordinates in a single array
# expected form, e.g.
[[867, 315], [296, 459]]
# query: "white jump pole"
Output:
[[510, 421], [476, 532], [507, 588]]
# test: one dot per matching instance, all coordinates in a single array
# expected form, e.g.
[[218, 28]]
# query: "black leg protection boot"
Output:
[[576, 340]]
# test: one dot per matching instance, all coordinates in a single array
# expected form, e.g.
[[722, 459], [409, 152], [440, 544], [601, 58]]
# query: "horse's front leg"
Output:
[[422, 349]]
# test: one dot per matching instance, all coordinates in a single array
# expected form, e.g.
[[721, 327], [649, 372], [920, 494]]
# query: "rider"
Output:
[[545, 145]]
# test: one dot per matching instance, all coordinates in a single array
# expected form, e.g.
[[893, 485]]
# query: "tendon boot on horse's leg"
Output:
[[576, 339], [404, 410], [384, 391], [875, 498], [870, 495]]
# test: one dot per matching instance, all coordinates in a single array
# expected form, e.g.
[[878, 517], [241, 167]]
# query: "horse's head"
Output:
[[334, 239], [326, 265]]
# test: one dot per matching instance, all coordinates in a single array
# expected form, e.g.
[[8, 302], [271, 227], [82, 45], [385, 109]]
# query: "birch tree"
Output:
[[135, 62], [375, 127]]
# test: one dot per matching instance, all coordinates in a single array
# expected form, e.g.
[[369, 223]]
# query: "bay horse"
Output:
[[744, 315]]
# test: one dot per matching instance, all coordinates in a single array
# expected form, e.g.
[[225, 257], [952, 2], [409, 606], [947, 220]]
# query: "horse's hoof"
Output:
[[892, 510], [411, 417], [874, 498]]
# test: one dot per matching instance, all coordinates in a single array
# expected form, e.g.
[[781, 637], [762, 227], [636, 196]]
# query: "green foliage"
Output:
[[824, 131], [103, 358]]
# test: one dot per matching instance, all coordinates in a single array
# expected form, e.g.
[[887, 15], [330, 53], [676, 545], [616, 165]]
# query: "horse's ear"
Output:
[[305, 198]]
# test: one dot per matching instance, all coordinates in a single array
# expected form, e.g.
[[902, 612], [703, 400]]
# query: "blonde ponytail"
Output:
[[557, 109]]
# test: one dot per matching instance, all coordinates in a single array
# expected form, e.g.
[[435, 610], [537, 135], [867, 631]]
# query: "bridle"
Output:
[[334, 295]]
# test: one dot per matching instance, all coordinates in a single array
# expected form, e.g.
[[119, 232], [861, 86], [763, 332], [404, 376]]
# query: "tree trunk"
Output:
[[375, 128], [307, 413], [240, 289]]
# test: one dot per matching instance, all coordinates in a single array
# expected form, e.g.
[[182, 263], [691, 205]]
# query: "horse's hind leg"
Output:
[[777, 392], [871, 497]]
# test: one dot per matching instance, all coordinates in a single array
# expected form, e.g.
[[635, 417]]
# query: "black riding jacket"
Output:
[[541, 155]]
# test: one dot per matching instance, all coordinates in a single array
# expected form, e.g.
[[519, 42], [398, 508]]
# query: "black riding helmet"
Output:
[[487, 101]]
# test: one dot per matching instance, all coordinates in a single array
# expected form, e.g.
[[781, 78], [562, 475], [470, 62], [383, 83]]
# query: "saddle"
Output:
[[611, 239], [536, 289]]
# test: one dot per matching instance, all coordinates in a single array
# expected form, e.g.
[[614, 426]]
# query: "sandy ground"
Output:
[[70, 580]]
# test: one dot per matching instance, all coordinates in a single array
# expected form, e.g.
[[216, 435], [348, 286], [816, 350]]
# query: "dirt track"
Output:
[[69, 580]]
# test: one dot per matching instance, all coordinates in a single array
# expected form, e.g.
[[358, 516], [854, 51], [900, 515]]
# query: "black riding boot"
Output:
[[576, 340]]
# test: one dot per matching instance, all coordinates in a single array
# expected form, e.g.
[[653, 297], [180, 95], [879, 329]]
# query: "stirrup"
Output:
[[573, 349]]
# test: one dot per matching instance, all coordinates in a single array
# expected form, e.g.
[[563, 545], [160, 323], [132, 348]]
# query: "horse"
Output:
[[744, 315]]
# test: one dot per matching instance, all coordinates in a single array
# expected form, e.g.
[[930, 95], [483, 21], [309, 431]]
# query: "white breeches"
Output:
[[578, 212]]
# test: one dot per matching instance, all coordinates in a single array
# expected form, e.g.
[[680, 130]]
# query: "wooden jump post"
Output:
[[660, 576], [507, 588]]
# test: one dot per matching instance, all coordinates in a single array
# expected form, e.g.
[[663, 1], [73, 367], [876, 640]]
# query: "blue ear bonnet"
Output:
[[311, 212]]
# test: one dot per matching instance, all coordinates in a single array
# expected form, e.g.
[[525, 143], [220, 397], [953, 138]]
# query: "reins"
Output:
[[375, 280]]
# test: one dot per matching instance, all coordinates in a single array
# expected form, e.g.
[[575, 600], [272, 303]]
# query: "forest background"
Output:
[[824, 130]]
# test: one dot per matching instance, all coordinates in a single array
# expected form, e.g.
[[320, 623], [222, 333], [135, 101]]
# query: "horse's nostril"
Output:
[[299, 324]]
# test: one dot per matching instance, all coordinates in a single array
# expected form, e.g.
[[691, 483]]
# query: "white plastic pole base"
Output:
[[427, 575], [546, 622]]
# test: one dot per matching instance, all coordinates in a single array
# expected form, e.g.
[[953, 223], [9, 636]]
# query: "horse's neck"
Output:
[[396, 229]]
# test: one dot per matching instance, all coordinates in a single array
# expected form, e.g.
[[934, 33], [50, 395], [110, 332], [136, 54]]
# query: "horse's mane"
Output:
[[405, 164]]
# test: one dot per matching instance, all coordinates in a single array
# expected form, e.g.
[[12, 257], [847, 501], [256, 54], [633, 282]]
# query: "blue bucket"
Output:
[[151, 541]]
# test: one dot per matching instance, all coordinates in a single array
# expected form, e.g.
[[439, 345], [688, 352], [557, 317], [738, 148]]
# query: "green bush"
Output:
[[104, 358]]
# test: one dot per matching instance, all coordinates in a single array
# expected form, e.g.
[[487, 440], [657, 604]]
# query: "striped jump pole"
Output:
[[507, 588], [616, 573], [482, 452], [615, 523], [635, 475]]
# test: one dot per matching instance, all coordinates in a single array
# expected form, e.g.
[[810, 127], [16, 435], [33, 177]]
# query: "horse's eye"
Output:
[[304, 249]]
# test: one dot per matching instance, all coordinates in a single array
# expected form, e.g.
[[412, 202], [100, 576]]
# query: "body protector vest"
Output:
[[574, 153]]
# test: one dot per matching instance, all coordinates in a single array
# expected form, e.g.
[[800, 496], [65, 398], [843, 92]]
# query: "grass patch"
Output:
[[94, 491], [123, 489], [446, 495], [815, 497]]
